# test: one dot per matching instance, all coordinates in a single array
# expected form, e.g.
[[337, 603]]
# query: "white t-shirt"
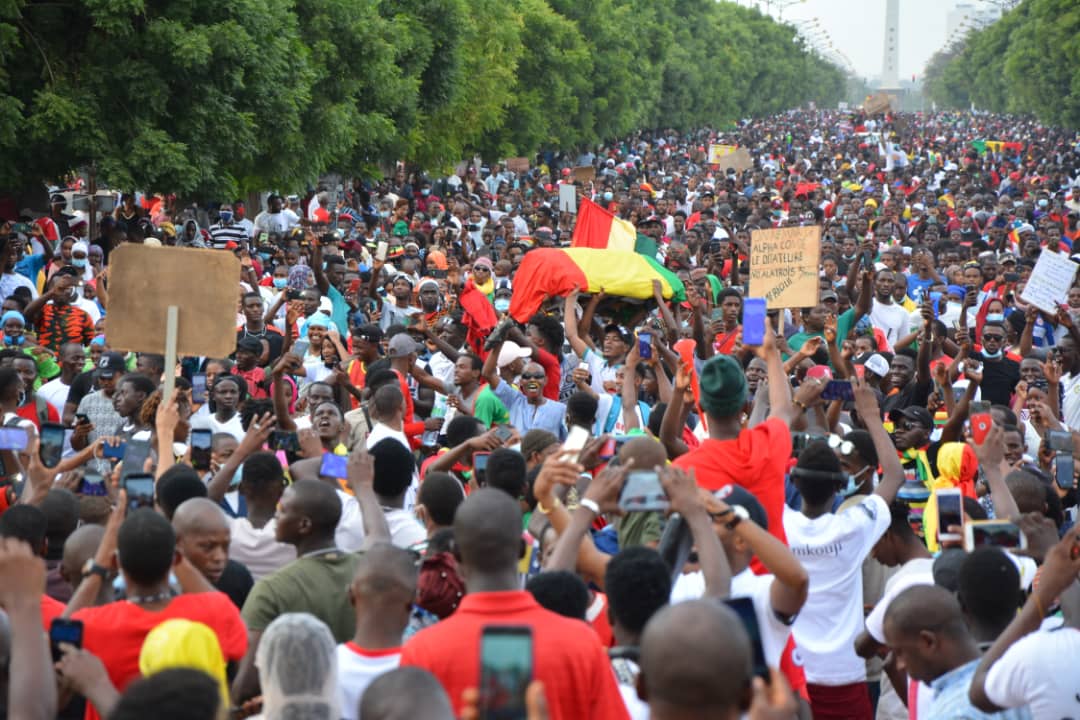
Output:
[[210, 422], [258, 548], [1040, 671], [55, 392], [1070, 385], [356, 668], [893, 319], [774, 634], [832, 548], [380, 432], [919, 571], [349, 535]]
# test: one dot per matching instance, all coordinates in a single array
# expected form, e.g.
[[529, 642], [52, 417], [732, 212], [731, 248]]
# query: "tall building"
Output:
[[967, 16], [890, 64]]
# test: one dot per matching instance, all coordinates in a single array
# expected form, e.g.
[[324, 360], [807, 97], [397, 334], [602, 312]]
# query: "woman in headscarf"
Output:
[[180, 643], [957, 468], [297, 664]]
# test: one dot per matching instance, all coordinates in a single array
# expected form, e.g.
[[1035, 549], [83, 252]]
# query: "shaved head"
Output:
[[319, 502], [78, 548], [487, 527], [925, 629], [385, 571], [696, 655], [406, 692], [199, 515], [646, 453]]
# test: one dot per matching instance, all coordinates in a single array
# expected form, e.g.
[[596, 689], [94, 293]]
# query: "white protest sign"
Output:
[[568, 198], [1050, 281]]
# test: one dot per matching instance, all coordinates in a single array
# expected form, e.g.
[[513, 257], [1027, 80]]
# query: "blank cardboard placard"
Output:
[[784, 266], [145, 281], [584, 174], [517, 164], [568, 198]]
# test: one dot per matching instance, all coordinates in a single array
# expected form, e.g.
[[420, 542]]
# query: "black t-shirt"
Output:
[[273, 338], [236, 582], [1000, 377], [81, 386]]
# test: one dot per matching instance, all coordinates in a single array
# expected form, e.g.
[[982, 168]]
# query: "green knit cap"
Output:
[[723, 386]]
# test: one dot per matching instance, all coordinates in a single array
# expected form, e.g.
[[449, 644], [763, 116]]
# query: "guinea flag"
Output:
[[600, 229], [553, 272]]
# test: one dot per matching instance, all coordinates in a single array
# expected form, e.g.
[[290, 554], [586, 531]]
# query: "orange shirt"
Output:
[[571, 663]]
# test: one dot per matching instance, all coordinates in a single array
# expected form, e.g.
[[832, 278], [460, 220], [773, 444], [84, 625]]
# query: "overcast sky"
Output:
[[858, 26]]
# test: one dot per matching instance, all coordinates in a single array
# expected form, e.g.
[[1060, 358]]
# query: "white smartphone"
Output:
[[993, 533], [380, 250], [576, 439], [950, 507]]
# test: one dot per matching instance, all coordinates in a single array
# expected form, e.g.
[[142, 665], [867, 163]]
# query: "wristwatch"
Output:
[[92, 568], [738, 514]]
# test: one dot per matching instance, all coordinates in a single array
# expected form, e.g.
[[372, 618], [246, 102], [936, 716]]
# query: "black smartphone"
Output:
[[1063, 463], [52, 444], [744, 608], [135, 454], [64, 630], [198, 388], [838, 390], [92, 484], [868, 261], [291, 294], [643, 493], [200, 448], [437, 274], [285, 440], [1011, 277], [334, 466], [506, 669], [140, 490], [81, 418], [480, 461]]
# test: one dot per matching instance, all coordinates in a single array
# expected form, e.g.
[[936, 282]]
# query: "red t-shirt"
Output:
[[256, 382], [756, 461], [29, 412], [115, 631], [553, 371], [568, 659], [50, 610]]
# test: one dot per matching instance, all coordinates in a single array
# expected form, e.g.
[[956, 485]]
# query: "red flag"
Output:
[[478, 315]]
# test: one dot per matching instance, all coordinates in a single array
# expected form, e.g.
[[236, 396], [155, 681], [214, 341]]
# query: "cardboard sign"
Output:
[[878, 103], [568, 198], [729, 156], [784, 266], [584, 174], [145, 281], [718, 152], [517, 165], [1050, 281]]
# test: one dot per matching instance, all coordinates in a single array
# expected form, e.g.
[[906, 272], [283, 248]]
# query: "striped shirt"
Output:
[[221, 234]]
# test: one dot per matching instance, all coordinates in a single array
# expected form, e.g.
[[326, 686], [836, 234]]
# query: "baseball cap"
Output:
[[370, 332], [623, 333], [736, 495], [401, 345], [915, 414], [877, 365], [111, 364], [828, 295], [510, 352]]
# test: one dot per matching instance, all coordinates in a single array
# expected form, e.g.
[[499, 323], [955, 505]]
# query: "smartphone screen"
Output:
[[12, 438], [935, 301], [135, 454], [753, 328], [285, 440], [1058, 440], [1064, 470], [993, 533], [334, 466], [643, 493], [506, 669], [380, 250], [744, 608], [645, 345], [300, 347], [503, 432], [52, 444], [92, 484], [200, 448], [479, 463], [113, 452], [198, 388], [950, 512], [64, 630], [838, 390], [140, 490]]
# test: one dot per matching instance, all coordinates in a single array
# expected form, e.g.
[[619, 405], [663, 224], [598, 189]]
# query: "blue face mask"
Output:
[[991, 355], [502, 304], [225, 216], [265, 257], [995, 317], [280, 283], [1043, 203], [425, 192], [78, 262], [9, 340], [853, 483]]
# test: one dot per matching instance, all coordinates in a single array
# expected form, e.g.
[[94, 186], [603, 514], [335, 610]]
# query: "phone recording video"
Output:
[[506, 669]]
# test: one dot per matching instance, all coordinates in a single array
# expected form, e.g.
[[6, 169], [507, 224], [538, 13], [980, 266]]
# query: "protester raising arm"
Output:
[[991, 455], [892, 472], [361, 469], [678, 410], [286, 363], [253, 441], [31, 693]]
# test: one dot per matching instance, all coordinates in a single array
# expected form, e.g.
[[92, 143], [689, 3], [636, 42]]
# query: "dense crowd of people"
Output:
[[413, 493]]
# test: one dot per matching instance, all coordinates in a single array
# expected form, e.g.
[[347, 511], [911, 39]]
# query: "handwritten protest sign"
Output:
[[517, 165], [729, 156], [878, 103], [718, 152], [1050, 281], [144, 281], [784, 266]]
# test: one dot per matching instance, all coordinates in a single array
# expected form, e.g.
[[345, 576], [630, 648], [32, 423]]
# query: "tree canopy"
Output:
[[216, 97], [1023, 63]]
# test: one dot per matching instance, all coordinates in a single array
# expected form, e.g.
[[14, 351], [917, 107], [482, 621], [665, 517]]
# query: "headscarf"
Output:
[[180, 643], [11, 315], [297, 663], [87, 270], [957, 466], [487, 288], [300, 277], [440, 259]]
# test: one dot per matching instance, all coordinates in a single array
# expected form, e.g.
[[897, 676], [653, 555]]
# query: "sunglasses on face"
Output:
[[993, 336], [533, 376]]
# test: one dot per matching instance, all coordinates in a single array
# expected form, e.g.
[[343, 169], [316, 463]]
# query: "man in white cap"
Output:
[[511, 361]]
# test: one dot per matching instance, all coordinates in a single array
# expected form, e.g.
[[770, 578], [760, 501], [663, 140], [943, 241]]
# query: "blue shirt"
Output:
[[30, 266], [951, 698], [549, 415], [340, 312]]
